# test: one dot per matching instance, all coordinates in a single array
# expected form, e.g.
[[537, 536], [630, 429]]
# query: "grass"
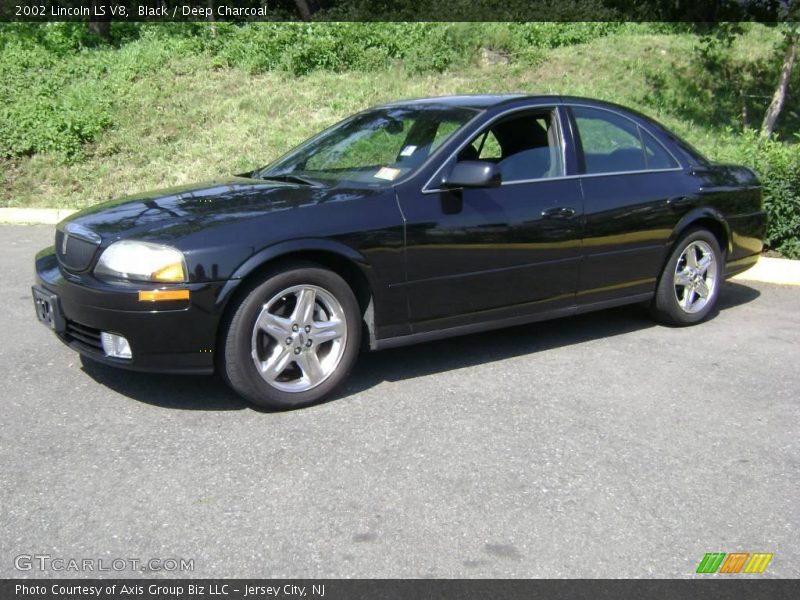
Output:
[[191, 121]]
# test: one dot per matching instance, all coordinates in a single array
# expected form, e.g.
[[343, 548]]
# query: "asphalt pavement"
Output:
[[597, 446]]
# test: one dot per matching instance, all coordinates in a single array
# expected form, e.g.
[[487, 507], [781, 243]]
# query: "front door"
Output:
[[490, 253]]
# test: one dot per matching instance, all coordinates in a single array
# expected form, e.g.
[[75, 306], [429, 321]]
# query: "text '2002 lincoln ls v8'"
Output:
[[408, 222]]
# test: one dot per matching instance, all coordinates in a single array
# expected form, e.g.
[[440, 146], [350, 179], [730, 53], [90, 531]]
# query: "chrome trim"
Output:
[[591, 175], [79, 231]]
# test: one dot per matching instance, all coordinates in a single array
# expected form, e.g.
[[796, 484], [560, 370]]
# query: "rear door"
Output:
[[632, 188]]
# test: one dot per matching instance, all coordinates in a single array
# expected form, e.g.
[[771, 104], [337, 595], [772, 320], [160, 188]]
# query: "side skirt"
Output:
[[429, 336]]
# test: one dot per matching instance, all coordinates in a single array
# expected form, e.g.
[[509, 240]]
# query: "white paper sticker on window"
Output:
[[387, 173], [408, 151]]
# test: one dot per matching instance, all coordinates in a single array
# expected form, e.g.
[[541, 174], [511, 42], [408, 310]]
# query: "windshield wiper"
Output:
[[291, 178]]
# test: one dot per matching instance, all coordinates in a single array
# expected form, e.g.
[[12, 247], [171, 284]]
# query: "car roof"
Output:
[[484, 101], [480, 101], [488, 101]]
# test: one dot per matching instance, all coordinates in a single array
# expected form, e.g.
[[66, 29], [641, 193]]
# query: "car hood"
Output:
[[175, 212]]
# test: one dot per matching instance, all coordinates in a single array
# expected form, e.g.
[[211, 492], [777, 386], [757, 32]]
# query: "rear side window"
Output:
[[655, 155], [613, 144]]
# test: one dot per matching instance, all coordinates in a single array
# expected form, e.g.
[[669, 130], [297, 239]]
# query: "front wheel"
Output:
[[293, 338], [690, 283]]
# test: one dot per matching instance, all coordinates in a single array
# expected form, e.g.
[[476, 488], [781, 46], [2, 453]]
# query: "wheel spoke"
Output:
[[276, 326], [682, 278], [311, 367], [325, 331], [705, 262], [304, 310], [688, 297], [276, 364], [691, 256], [702, 289]]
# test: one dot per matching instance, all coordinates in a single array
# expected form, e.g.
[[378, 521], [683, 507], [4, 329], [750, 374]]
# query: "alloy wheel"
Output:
[[695, 277], [299, 338]]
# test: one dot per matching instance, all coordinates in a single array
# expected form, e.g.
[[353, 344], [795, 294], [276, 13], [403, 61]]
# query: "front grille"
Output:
[[79, 252], [84, 335]]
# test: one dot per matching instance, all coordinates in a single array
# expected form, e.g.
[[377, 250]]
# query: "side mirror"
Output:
[[472, 174]]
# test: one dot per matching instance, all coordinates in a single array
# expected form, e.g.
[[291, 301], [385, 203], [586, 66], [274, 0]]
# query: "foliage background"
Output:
[[84, 119]]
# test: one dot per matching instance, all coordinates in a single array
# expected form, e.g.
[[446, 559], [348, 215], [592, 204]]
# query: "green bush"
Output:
[[778, 166], [47, 105], [301, 48], [60, 82]]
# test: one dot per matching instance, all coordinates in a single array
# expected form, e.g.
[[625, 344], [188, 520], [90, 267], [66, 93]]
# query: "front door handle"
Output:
[[562, 212]]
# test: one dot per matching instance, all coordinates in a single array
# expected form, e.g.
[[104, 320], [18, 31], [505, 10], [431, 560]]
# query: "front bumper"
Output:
[[174, 336]]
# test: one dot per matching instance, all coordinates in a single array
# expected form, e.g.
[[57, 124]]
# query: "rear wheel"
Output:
[[689, 286], [293, 338]]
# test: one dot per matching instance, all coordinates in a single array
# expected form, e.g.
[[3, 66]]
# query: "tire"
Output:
[[679, 298], [292, 338]]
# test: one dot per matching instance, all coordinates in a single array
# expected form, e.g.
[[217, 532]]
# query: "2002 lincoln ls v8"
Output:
[[408, 222]]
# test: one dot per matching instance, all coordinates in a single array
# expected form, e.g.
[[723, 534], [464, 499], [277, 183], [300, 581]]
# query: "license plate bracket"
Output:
[[48, 310]]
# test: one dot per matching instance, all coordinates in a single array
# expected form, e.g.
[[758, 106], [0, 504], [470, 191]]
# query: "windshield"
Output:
[[373, 147]]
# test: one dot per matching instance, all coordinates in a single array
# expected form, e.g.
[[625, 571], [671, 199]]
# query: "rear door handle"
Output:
[[679, 202], [561, 212]]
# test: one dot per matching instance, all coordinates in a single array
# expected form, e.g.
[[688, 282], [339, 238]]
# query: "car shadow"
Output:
[[203, 392], [415, 361], [211, 393]]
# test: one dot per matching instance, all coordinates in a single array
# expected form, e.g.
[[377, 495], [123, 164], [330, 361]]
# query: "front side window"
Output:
[[525, 146], [613, 144], [374, 147]]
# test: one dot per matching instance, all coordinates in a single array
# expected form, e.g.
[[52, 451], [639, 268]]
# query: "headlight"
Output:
[[142, 261]]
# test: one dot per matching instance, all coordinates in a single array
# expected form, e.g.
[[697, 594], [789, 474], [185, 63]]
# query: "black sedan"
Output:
[[408, 222]]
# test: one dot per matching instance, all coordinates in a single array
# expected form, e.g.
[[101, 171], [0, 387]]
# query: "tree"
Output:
[[779, 98], [306, 8], [101, 28]]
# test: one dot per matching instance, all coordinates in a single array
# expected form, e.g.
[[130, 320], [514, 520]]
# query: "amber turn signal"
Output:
[[158, 295]]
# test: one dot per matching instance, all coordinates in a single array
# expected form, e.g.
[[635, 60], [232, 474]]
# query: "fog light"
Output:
[[115, 345]]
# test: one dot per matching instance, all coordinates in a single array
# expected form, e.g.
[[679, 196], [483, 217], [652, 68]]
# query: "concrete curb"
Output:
[[773, 270], [33, 216], [767, 270]]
